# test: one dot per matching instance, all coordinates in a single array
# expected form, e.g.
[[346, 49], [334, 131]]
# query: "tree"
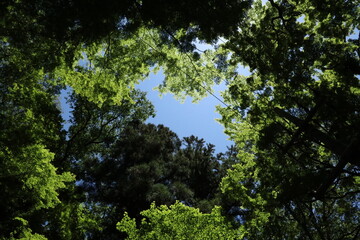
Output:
[[178, 222], [30, 135], [295, 120], [143, 164]]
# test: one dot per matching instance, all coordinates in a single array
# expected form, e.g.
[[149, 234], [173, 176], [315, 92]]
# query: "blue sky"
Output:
[[186, 118]]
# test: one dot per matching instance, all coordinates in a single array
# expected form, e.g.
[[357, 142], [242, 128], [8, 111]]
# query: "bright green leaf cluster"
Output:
[[32, 166], [178, 222]]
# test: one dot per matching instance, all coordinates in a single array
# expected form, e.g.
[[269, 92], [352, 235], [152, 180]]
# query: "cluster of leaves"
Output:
[[82, 21], [178, 222]]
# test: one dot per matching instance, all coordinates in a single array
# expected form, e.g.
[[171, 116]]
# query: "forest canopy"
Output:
[[293, 173]]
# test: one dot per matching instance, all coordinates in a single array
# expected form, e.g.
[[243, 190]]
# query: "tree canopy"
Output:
[[294, 172], [178, 222]]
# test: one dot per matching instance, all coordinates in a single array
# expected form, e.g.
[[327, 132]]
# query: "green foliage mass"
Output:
[[30, 134], [178, 222], [31, 167], [294, 119]]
